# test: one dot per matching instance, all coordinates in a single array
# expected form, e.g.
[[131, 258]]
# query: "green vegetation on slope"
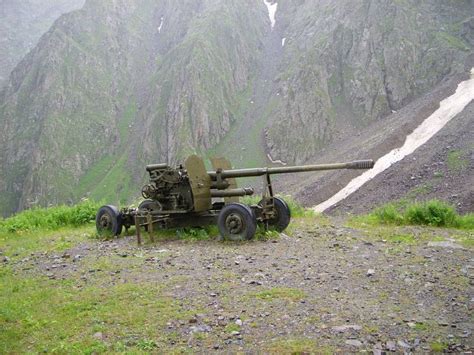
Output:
[[51, 218], [431, 213]]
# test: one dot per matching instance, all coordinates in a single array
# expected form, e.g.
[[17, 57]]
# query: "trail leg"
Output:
[[150, 228], [137, 229]]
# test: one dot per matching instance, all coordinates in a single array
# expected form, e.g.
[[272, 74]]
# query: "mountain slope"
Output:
[[115, 85], [22, 24], [349, 63], [120, 84]]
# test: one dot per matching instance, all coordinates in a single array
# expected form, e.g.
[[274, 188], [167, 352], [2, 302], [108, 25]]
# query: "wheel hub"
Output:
[[234, 223], [105, 221]]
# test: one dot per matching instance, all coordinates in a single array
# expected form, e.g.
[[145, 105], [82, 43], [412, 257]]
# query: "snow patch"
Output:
[[283, 42], [272, 8], [161, 25], [275, 161], [448, 108]]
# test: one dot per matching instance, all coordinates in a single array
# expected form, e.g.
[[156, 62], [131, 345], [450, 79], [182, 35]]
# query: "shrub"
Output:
[[466, 221], [432, 213], [388, 214]]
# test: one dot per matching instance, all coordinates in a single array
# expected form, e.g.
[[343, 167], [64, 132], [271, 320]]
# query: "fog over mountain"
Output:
[[22, 23], [119, 84]]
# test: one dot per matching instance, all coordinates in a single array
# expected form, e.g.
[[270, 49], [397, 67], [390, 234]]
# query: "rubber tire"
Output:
[[115, 227], [283, 217], [146, 203], [246, 216]]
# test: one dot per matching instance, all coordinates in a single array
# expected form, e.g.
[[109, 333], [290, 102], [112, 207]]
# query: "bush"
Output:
[[51, 217], [388, 214], [466, 221], [432, 213]]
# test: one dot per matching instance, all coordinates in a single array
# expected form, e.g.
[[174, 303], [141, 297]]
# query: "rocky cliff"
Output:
[[118, 84], [122, 83], [349, 63], [22, 24]]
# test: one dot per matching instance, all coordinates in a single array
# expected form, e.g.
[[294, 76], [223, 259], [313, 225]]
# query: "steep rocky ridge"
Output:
[[349, 63], [119, 84], [22, 24]]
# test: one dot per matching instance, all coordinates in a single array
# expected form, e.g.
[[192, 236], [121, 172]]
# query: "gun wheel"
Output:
[[108, 221], [282, 215], [150, 205], [236, 221]]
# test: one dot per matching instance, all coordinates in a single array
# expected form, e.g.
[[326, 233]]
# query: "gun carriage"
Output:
[[190, 196]]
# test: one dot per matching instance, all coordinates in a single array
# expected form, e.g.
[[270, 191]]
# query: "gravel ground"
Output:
[[325, 287]]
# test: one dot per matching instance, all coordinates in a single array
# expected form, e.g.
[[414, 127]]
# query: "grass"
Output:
[[297, 346], [51, 218], [70, 315], [40, 315], [431, 213], [420, 326], [452, 41], [83, 214], [438, 346], [285, 293], [456, 162]]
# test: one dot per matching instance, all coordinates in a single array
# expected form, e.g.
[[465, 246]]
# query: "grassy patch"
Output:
[[38, 315], [232, 327], [285, 293], [420, 326], [204, 233], [438, 346], [456, 162], [432, 213], [297, 346], [51, 218], [21, 244], [408, 239]]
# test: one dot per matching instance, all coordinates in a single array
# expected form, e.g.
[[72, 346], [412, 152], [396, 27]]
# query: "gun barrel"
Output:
[[236, 173]]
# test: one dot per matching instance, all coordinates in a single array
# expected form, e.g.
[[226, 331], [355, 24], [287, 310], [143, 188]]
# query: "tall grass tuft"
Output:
[[432, 213], [388, 214], [51, 218]]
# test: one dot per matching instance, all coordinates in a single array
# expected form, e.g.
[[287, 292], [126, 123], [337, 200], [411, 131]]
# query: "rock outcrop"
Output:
[[349, 63]]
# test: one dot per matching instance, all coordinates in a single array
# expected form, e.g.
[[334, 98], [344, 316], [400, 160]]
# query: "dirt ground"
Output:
[[321, 287]]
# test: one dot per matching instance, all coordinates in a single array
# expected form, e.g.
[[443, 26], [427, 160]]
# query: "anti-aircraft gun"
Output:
[[190, 196]]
